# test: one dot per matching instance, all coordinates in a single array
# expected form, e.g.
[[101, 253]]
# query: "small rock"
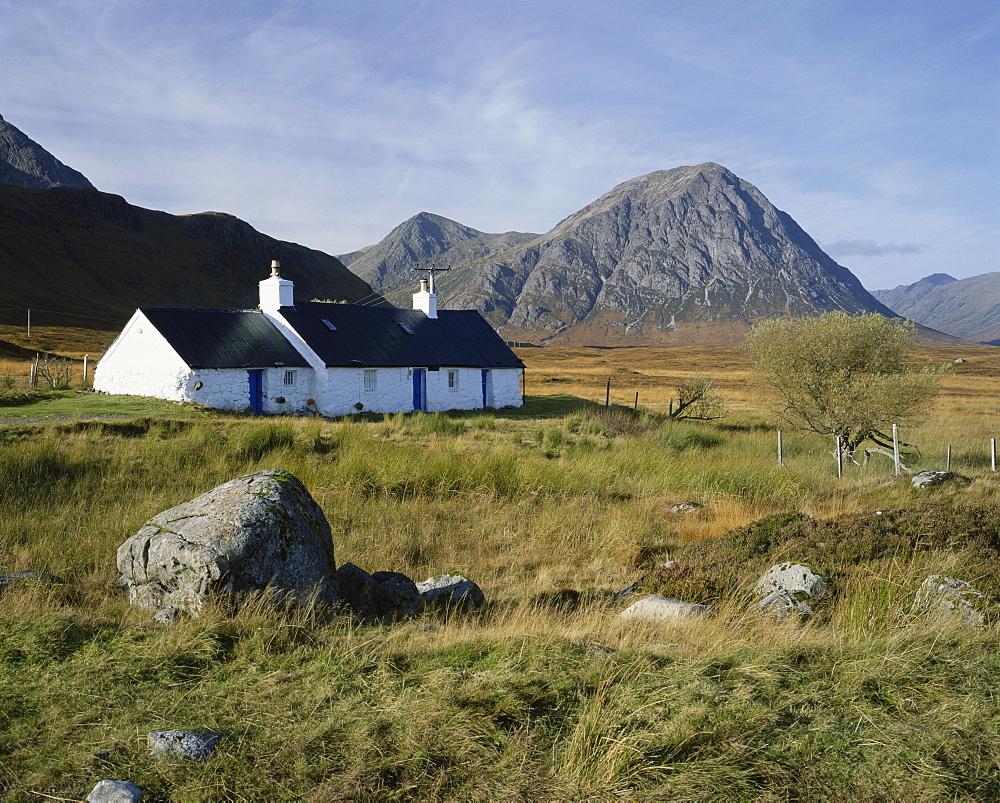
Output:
[[796, 579], [29, 576], [662, 609], [781, 604], [451, 589], [625, 593], [686, 507], [597, 649], [114, 792], [928, 479], [669, 565], [403, 588], [187, 743], [165, 616], [941, 597], [388, 595]]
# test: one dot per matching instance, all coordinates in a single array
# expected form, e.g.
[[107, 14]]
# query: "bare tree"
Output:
[[698, 397], [54, 370]]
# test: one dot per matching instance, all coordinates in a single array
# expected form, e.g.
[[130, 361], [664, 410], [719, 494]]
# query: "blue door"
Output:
[[256, 380], [487, 388], [419, 388]]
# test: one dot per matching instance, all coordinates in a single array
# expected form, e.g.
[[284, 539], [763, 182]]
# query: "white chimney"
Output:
[[425, 300], [276, 292]]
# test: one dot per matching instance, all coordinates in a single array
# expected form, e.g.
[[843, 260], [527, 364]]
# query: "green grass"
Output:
[[550, 512], [52, 404]]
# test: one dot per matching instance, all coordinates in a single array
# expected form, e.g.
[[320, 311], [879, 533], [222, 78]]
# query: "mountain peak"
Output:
[[695, 244], [25, 163]]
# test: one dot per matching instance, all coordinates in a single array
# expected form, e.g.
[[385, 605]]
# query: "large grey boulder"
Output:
[[658, 610], [796, 579], [108, 791], [251, 533], [942, 598]]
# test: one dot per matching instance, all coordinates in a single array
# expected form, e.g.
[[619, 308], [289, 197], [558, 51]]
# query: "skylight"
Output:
[[405, 328], [329, 325]]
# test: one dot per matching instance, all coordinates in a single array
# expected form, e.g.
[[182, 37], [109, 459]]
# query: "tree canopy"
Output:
[[843, 375]]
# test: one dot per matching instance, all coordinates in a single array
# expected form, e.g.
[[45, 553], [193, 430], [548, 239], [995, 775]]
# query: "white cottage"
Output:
[[333, 359]]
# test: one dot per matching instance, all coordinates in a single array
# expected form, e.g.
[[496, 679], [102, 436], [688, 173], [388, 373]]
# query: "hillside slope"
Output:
[[692, 246], [89, 253], [967, 308]]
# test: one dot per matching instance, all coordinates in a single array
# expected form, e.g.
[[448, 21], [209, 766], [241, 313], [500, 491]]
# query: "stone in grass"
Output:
[[797, 579], [114, 792], [193, 744], [383, 595], [662, 609], [29, 576], [686, 507], [451, 590], [783, 604], [941, 598], [260, 531], [928, 479]]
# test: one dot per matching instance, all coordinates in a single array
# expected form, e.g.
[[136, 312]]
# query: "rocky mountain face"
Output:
[[966, 308], [80, 252], [25, 163], [423, 240], [693, 246]]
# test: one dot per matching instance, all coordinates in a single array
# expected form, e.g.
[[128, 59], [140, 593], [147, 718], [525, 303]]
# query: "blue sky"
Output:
[[875, 124]]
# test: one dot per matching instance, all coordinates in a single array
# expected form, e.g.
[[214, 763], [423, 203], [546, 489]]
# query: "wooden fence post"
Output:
[[948, 461], [895, 447], [993, 454], [86, 368], [607, 394], [840, 459], [781, 462], [635, 407]]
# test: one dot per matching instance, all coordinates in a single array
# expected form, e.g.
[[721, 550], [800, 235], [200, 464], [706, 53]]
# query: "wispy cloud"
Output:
[[870, 248], [329, 122]]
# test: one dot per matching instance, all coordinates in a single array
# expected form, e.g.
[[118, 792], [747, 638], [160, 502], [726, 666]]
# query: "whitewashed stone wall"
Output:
[[394, 390], [142, 363]]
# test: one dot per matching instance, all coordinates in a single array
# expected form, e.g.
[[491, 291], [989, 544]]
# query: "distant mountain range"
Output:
[[661, 253], [682, 255], [68, 248], [966, 308]]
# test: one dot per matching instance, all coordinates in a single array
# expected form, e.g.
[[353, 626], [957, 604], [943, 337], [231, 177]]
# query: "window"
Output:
[[453, 379], [371, 380], [289, 378]]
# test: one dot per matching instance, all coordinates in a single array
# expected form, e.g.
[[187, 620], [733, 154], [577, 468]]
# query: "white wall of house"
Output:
[[390, 390], [142, 363], [296, 395]]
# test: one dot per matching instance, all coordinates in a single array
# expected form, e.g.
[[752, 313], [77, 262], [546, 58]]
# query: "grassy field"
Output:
[[544, 694]]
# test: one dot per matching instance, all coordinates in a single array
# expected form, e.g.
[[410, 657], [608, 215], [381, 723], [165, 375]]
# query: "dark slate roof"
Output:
[[210, 338], [373, 336]]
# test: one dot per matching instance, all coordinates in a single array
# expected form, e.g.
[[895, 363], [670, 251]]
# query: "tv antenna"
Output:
[[430, 270]]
